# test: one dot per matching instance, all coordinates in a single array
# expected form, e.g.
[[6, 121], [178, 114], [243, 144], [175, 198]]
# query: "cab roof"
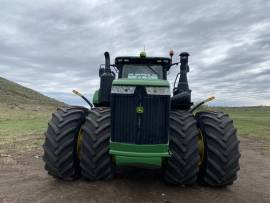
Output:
[[165, 61]]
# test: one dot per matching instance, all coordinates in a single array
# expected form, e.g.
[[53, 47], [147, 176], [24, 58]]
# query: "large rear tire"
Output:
[[60, 147], [221, 149], [182, 166], [96, 162]]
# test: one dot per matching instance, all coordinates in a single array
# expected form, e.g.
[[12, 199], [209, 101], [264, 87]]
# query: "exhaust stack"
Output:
[[107, 62], [106, 79]]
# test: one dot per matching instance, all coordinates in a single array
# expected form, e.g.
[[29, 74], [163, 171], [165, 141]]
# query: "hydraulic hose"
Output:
[[83, 97]]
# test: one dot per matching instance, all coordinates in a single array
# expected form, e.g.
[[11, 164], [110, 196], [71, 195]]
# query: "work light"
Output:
[[123, 90], [158, 90]]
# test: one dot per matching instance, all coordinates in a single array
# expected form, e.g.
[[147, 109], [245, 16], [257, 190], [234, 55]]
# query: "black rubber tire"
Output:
[[60, 147], [182, 166], [221, 149], [96, 162]]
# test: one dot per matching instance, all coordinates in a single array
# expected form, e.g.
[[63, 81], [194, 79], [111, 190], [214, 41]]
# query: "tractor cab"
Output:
[[143, 68]]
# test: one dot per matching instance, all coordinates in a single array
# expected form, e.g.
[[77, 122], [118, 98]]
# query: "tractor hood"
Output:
[[137, 82]]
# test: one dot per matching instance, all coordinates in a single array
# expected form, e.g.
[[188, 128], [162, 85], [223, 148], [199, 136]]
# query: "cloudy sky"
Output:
[[56, 46]]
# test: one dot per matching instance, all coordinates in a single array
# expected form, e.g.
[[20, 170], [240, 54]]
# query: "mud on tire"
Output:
[[60, 147], [96, 162], [221, 149], [182, 166]]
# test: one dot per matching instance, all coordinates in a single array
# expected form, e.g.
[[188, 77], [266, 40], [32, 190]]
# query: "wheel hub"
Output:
[[79, 142]]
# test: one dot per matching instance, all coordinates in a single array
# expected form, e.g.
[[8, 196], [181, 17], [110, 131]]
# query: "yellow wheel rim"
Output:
[[79, 142], [201, 147]]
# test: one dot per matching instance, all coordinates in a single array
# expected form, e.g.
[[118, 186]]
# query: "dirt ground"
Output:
[[23, 179]]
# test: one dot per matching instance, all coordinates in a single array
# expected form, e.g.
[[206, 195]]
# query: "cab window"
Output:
[[142, 71]]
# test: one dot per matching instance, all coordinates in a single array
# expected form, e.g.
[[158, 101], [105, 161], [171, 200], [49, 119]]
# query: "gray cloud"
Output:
[[55, 46]]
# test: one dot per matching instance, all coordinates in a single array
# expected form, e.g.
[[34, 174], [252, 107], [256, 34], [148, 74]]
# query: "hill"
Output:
[[24, 114], [14, 94]]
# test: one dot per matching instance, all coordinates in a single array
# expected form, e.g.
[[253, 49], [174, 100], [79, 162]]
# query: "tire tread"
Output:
[[221, 161], [96, 162], [60, 154], [182, 166]]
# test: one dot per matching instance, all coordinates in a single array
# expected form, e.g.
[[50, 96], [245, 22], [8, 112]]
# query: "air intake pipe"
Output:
[[184, 69], [182, 94]]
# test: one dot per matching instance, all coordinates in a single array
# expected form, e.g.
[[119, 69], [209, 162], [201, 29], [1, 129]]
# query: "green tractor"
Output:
[[133, 120]]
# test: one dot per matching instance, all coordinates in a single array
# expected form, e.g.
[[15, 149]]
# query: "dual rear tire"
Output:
[[220, 162], [60, 147], [77, 144], [215, 163]]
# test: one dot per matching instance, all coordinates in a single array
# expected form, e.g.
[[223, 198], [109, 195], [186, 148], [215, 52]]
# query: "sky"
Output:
[[56, 46]]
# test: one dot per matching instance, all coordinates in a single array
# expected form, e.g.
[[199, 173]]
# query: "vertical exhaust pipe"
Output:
[[107, 62], [106, 79]]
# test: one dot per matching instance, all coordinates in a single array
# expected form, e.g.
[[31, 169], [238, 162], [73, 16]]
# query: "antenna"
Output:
[[171, 53], [143, 53]]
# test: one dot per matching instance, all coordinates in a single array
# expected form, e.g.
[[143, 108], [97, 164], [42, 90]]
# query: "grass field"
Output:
[[251, 121], [24, 114], [22, 126]]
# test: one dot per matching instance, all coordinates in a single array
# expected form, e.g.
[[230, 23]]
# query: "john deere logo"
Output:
[[139, 109]]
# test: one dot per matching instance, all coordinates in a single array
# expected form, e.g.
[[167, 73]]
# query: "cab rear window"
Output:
[[142, 71]]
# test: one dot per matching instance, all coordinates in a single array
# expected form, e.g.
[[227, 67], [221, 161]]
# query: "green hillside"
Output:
[[15, 94], [24, 116]]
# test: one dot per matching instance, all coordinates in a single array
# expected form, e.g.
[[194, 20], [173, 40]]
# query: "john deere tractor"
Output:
[[134, 119]]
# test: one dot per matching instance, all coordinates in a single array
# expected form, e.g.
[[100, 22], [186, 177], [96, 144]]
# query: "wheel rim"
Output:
[[79, 142], [201, 147]]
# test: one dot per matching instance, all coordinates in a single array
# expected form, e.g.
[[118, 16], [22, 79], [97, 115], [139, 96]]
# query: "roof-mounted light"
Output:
[[143, 54]]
